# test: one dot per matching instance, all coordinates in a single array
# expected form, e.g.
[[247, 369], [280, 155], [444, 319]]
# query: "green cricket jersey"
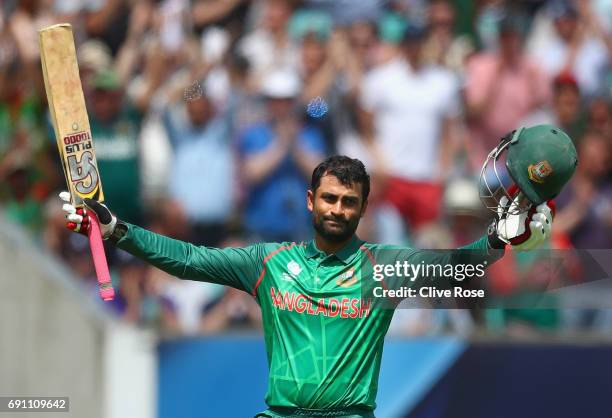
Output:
[[324, 342]]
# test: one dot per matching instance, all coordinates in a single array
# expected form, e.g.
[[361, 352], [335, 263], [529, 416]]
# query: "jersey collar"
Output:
[[343, 255]]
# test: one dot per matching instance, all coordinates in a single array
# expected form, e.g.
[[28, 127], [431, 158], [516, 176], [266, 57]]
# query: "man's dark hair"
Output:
[[346, 170]]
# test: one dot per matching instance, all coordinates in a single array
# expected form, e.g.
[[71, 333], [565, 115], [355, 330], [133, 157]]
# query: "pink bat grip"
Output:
[[107, 293]]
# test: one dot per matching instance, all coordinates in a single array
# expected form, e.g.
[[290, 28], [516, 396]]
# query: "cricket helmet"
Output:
[[529, 166]]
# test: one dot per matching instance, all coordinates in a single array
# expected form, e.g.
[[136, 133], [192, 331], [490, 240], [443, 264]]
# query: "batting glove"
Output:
[[78, 219], [523, 231]]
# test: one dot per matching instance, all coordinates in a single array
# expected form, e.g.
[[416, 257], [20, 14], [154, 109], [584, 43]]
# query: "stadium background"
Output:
[[182, 95]]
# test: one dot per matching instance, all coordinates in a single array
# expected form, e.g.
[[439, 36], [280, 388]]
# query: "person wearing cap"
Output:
[[94, 56], [277, 156], [410, 115], [116, 125], [565, 110], [319, 70]]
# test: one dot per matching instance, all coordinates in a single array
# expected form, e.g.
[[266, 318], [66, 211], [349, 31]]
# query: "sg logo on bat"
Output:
[[81, 164]]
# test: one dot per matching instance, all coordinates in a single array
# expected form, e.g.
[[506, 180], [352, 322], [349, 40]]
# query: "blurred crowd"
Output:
[[202, 115]]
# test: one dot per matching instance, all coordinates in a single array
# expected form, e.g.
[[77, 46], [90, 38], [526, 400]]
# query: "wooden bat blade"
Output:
[[69, 113]]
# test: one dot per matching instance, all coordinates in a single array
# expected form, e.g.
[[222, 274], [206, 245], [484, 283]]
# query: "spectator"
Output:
[[442, 46], [502, 88], [21, 116], [350, 53], [269, 46], [244, 105], [93, 56], [21, 107], [202, 177], [410, 114], [566, 111], [585, 205], [24, 205], [362, 39], [318, 66], [115, 125], [27, 172], [278, 157], [577, 44]]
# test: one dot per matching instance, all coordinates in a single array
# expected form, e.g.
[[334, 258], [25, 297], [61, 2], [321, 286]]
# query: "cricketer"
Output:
[[324, 342]]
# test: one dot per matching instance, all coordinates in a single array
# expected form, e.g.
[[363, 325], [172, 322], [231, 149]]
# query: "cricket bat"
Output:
[[73, 134]]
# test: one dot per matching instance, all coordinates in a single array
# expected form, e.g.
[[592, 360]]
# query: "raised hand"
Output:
[[78, 218]]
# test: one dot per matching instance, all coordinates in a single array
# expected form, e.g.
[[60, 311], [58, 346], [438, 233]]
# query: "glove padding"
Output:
[[79, 218], [527, 230]]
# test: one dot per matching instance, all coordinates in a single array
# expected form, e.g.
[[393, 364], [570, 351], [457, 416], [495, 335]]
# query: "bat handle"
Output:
[[107, 293]]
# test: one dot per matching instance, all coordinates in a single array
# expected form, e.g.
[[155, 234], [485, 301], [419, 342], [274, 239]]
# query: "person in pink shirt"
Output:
[[502, 88]]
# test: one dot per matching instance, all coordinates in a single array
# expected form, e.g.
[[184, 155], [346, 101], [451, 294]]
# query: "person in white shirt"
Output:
[[410, 113]]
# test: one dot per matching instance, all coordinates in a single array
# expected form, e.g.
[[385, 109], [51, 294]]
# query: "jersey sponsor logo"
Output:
[[331, 307], [347, 279], [539, 171]]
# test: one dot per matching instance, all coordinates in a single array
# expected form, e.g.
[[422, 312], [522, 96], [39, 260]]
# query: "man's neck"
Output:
[[331, 247]]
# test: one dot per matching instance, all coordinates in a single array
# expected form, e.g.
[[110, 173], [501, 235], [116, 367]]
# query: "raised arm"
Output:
[[236, 267], [524, 231]]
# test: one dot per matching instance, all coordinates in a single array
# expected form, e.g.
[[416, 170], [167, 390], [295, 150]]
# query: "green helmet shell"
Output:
[[541, 160]]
